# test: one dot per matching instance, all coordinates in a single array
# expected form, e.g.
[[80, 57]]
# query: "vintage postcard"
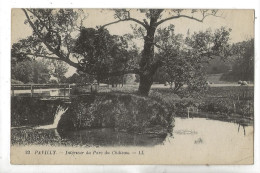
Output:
[[132, 86]]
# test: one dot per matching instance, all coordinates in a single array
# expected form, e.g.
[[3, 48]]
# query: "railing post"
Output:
[[31, 90], [69, 90], [64, 90]]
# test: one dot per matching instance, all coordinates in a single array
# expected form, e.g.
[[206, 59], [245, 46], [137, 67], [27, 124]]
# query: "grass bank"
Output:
[[230, 103]]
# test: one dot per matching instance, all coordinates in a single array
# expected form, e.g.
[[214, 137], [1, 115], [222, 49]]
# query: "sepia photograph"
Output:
[[130, 86]]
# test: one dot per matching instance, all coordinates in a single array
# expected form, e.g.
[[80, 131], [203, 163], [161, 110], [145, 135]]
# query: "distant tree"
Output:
[[79, 78], [184, 58], [137, 78], [244, 62], [31, 71], [217, 66], [115, 81], [58, 69], [75, 78]]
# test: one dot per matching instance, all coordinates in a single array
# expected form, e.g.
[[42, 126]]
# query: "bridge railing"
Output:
[[65, 88]]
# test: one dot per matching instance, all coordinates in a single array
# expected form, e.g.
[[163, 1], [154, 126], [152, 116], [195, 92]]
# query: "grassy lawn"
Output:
[[231, 103]]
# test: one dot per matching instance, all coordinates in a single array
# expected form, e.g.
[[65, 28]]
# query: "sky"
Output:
[[240, 21]]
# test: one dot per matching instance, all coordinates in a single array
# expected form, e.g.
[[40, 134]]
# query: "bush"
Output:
[[123, 112]]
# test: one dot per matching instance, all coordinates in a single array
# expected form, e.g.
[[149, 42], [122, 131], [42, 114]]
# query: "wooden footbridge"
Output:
[[51, 91]]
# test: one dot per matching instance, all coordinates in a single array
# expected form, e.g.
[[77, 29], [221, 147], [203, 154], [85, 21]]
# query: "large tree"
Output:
[[184, 59], [53, 31]]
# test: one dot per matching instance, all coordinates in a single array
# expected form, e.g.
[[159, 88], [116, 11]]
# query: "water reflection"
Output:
[[110, 137], [93, 137], [193, 131]]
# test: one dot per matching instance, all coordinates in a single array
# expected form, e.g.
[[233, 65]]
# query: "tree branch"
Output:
[[38, 17], [129, 18], [204, 15], [57, 53], [176, 17], [43, 56]]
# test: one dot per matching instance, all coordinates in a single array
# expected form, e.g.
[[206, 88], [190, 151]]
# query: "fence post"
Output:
[[188, 112], [249, 109], [64, 90], [69, 90], [31, 90]]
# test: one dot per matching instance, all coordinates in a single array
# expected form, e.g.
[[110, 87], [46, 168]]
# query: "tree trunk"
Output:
[[147, 70], [145, 84]]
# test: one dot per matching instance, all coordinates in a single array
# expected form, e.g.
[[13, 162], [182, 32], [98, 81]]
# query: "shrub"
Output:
[[123, 112]]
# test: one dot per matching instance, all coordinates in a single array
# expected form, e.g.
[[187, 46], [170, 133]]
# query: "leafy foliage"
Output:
[[80, 78], [31, 72], [184, 59], [58, 69], [243, 62], [102, 54], [123, 112]]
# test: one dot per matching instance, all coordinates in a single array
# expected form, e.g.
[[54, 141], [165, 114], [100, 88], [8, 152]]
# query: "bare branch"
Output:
[[203, 12], [129, 18], [123, 20], [176, 17]]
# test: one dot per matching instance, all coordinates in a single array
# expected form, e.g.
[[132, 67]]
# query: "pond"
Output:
[[190, 141], [191, 132]]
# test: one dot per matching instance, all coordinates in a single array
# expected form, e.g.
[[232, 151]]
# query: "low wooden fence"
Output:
[[65, 88]]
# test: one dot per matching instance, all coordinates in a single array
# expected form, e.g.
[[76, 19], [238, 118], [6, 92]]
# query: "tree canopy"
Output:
[[31, 72], [59, 34]]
